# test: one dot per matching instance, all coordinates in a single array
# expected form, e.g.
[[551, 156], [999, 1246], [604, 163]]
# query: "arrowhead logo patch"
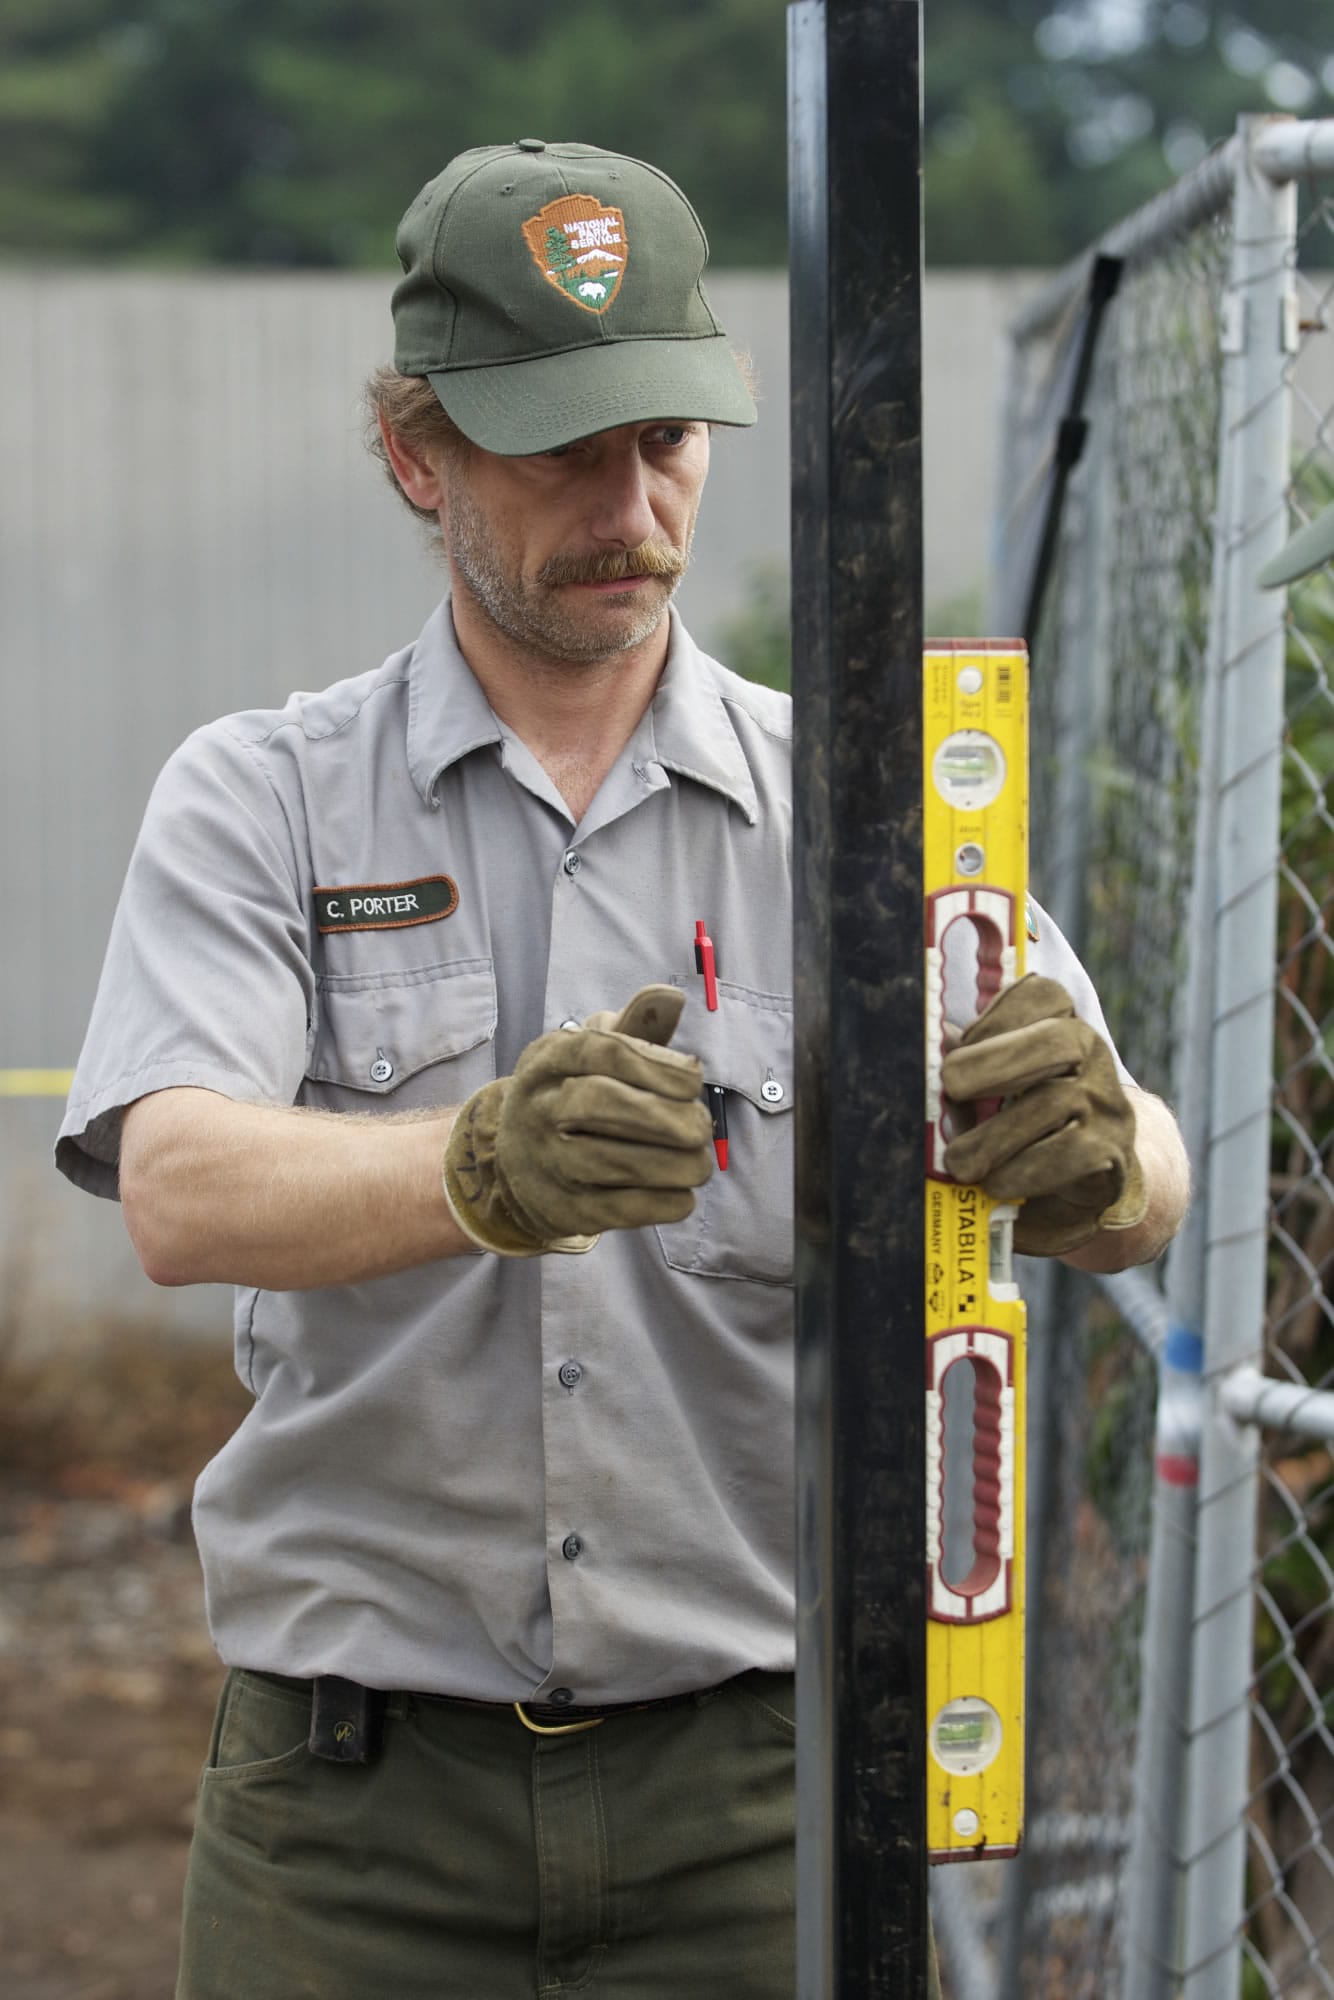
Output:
[[580, 247]]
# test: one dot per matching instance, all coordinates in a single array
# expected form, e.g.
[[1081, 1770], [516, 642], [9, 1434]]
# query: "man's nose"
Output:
[[624, 514]]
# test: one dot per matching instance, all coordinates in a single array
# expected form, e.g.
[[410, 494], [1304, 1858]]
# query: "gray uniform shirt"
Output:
[[489, 1477]]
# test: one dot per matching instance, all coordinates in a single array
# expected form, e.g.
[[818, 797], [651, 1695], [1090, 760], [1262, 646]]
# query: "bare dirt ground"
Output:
[[107, 1677]]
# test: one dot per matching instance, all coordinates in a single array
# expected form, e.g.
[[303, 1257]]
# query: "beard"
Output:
[[535, 616]]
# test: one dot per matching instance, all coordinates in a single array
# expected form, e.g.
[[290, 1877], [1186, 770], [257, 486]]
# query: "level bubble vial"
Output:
[[966, 1736], [968, 770]]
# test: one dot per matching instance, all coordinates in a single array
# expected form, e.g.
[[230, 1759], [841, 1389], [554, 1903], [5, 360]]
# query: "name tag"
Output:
[[385, 906]]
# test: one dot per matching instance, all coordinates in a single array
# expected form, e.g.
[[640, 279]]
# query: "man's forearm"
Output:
[[219, 1192], [1162, 1157]]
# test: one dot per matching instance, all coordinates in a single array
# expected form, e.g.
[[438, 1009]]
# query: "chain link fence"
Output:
[[1289, 1945], [1181, 1783]]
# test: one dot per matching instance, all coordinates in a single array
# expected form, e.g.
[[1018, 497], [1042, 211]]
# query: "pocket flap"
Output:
[[746, 1044], [373, 1030]]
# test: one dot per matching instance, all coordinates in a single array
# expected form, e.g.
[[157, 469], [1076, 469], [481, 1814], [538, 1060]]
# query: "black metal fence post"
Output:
[[855, 125]]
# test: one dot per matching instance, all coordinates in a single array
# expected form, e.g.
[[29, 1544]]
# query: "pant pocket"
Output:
[[771, 1698], [257, 1728]]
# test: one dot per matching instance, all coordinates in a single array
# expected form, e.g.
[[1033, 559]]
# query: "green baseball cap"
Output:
[[1309, 547], [550, 291]]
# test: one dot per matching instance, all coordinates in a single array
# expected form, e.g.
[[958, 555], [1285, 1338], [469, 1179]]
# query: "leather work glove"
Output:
[[1063, 1140], [600, 1127]]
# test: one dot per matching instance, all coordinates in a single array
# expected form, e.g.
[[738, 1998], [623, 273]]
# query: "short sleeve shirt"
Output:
[[488, 1477]]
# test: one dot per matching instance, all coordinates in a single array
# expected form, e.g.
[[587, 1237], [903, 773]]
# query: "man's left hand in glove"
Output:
[[1064, 1138]]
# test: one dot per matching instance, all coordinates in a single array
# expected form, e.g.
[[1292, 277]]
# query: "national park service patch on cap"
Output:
[[580, 247]]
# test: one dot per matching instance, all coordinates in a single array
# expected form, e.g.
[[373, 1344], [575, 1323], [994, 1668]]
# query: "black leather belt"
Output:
[[549, 1717], [347, 1720]]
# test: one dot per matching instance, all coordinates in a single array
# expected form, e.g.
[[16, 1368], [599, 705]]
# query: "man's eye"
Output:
[[557, 451], [674, 433]]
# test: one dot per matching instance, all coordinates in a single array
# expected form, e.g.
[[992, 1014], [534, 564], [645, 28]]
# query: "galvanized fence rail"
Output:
[[1181, 1802]]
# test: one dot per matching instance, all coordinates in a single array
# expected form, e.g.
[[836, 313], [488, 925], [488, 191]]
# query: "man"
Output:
[[402, 1032]]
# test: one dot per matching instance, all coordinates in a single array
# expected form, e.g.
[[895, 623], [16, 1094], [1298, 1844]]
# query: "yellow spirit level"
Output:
[[975, 841]]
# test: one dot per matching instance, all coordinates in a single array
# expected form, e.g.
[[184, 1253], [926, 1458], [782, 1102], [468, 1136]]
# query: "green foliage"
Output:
[[1119, 1389], [974, 196], [1254, 1985], [757, 641], [1053, 120], [295, 131], [959, 617], [290, 133], [559, 254]]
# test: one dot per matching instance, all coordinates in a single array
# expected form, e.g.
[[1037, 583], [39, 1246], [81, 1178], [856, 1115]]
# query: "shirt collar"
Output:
[[448, 715], [692, 730]]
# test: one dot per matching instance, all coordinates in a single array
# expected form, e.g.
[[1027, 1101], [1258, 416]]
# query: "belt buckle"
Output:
[[557, 1728]]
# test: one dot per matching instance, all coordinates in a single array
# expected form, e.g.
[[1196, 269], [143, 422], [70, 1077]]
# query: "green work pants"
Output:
[[649, 1858]]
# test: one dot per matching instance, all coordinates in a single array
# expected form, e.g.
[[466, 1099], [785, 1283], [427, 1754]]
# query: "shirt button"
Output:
[[570, 1022], [562, 1695], [381, 1069], [572, 863], [571, 1548], [771, 1090], [571, 1374]]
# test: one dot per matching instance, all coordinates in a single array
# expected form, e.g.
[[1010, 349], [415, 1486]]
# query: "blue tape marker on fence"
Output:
[[1180, 1417], [1183, 1350]]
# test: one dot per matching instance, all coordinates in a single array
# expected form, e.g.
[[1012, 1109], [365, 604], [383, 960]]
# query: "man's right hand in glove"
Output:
[[599, 1127]]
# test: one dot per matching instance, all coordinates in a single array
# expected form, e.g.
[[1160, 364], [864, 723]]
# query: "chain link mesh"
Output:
[[1131, 585], [1118, 678], [1289, 1943]]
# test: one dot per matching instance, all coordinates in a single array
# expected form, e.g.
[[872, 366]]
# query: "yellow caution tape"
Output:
[[35, 1082]]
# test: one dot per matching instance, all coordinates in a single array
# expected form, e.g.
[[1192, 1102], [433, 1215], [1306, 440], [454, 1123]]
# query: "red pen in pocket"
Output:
[[715, 1096], [704, 965]]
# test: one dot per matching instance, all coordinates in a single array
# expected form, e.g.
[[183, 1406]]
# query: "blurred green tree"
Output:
[[294, 131], [1046, 122]]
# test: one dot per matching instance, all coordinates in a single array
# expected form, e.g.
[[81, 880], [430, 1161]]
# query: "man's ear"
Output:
[[414, 471]]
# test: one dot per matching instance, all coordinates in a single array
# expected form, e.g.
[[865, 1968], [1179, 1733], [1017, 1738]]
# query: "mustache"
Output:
[[649, 559]]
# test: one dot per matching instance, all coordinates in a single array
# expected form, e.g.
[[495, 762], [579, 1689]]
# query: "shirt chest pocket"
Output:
[[415, 1038], [742, 1225]]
